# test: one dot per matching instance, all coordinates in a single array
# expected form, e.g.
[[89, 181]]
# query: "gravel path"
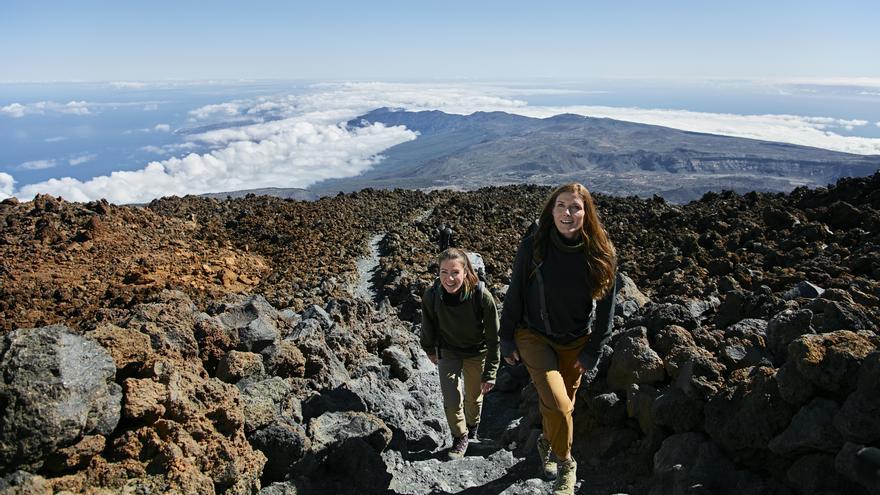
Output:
[[366, 268]]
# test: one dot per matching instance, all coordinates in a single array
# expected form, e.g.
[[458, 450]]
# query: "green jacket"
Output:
[[455, 331]]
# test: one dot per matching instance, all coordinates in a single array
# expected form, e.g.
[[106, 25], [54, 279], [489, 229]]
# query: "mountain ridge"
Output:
[[615, 157]]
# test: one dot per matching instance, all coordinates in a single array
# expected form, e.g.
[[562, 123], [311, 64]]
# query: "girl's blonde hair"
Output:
[[601, 255], [470, 275]]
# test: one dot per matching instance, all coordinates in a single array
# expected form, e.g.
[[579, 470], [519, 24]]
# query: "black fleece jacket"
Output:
[[567, 310]]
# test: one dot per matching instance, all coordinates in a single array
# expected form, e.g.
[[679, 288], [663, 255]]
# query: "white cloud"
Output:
[[178, 84], [14, 110], [299, 139], [55, 139], [7, 184], [151, 107], [37, 165], [860, 82], [17, 110], [128, 85], [80, 159], [221, 110], [155, 128], [807, 131], [169, 149], [342, 101], [299, 155], [152, 149]]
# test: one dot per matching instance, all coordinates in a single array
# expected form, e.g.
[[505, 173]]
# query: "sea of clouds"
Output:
[[296, 140]]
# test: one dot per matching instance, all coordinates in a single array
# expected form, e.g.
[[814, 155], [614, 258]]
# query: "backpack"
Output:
[[533, 227], [476, 300]]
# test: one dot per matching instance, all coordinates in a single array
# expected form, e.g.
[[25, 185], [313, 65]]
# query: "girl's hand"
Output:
[[485, 387], [433, 358], [513, 358]]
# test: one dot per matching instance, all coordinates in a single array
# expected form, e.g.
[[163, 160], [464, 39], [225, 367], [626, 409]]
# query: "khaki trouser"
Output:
[[461, 411], [552, 368]]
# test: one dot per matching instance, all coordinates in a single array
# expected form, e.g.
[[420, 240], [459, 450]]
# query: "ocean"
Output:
[[83, 140]]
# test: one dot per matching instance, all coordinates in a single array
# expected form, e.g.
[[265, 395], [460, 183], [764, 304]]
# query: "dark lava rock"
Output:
[[285, 444], [676, 410], [811, 430], [747, 414], [656, 316], [634, 361], [857, 419], [786, 326], [57, 388]]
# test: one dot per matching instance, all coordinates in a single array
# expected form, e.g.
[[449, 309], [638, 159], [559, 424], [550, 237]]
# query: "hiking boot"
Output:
[[548, 463], [459, 447], [567, 477], [472, 433]]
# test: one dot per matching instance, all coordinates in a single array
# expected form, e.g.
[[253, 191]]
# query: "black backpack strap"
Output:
[[435, 299], [435, 304], [478, 303]]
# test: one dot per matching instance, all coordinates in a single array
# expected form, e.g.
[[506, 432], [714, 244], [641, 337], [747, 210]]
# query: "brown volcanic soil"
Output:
[[62, 261]]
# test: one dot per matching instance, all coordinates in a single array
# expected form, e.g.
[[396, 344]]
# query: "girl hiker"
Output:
[[563, 282], [460, 336]]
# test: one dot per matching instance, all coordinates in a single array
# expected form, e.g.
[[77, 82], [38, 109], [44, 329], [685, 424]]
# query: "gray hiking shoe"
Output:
[[548, 462], [459, 447], [567, 477], [472, 433]]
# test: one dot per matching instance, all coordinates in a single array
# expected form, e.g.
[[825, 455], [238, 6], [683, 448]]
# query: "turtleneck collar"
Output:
[[566, 245], [452, 299]]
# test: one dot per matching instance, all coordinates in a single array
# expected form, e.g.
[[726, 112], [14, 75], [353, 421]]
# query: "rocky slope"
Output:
[[205, 346]]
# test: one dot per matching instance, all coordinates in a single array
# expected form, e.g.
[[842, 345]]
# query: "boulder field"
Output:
[[197, 345]]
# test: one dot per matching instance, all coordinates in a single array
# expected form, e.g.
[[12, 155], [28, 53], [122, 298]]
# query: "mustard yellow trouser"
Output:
[[461, 411], [552, 368]]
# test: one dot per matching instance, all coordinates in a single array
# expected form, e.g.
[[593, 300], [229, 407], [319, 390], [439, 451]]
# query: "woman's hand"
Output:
[[579, 367], [485, 387], [433, 358], [513, 358]]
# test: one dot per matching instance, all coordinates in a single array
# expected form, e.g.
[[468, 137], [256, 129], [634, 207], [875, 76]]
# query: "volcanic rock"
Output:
[[58, 387], [633, 361], [831, 361], [749, 413], [857, 419], [811, 430]]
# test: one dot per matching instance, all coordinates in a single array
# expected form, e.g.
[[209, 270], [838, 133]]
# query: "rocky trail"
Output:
[[366, 269], [260, 345], [489, 466]]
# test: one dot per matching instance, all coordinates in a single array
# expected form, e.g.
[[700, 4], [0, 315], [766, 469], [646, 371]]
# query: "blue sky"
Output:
[[135, 100], [157, 40]]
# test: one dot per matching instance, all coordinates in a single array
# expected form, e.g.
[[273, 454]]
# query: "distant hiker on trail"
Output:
[[446, 237], [564, 278], [460, 336]]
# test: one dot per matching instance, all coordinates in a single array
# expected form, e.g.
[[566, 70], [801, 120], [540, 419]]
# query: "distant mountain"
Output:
[[283, 193], [611, 156]]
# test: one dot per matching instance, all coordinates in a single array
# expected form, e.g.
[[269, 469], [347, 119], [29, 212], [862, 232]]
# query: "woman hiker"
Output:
[[563, 283], [460, 336]]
